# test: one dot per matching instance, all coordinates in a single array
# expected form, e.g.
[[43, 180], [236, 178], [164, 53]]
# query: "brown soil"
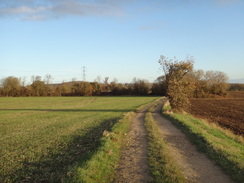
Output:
[[235, 94], [228, 113], [134, 162], [195, 165]]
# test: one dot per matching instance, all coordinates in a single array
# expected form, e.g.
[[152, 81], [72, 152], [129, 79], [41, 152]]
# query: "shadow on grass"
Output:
[[202, 145], [55, 166]]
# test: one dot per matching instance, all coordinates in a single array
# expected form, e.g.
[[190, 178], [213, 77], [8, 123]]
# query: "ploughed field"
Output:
[[228, 112], [42, 138]]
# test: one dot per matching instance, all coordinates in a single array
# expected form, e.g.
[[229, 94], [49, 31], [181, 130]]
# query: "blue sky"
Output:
[[119, 39]]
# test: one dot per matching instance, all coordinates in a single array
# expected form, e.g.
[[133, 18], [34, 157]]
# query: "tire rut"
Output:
[[196, 166]]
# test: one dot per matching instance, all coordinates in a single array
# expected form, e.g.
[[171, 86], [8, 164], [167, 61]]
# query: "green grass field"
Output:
[[43, 138]]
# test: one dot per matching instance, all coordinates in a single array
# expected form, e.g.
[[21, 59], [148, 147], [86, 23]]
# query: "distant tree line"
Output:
[[179, 82], [15, 87], [236, 87], [205, 84]]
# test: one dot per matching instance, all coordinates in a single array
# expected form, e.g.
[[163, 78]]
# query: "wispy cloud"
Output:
[[49, 9]]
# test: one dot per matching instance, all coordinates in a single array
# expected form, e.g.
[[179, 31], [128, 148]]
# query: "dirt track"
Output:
[[134, 165], [196, 167]]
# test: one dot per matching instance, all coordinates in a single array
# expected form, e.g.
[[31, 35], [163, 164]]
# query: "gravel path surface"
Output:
[[134, 163]]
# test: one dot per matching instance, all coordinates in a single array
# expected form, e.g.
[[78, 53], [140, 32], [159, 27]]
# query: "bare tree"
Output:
[[48, 79], [217, 82], [23, 81], [35, 78], [98, 79], [106, 80]]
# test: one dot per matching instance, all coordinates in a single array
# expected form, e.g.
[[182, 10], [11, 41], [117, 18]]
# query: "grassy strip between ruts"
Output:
[[162, 166], [102, 166], [222, 146]]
